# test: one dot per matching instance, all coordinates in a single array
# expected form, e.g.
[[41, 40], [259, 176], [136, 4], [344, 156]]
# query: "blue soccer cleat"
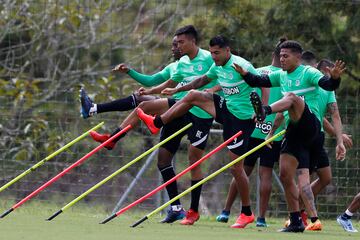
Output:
[[260, 222], [86, 104], [175, 213], [223, 217], [346, 224]]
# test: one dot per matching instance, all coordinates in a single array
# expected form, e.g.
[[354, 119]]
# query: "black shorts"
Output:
[[232, 125], [300, 136], [318, 156], [197, 134], [268, 156]]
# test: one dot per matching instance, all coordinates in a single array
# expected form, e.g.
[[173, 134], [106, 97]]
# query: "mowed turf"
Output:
[[28, 222]]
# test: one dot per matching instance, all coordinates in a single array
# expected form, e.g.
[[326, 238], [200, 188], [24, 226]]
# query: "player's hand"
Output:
[[144, 91], [239, 69], [336, 71], [270, 135], [340, 152], [348, 143], [169, 91], [122, 67]]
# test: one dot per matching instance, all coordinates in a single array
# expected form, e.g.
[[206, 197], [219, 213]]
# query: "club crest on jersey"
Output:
[[264, 127], [297, 83], [200, 67]]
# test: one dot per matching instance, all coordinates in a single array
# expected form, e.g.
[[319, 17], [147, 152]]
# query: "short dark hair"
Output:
[[324, 63], [308, 56], [188, 30], [277, 47], [294, 46], [220, 41]]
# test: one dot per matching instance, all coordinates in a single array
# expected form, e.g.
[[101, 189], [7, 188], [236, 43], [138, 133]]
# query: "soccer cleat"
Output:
[[293, 228], [304, 217], [174, 213], [148, 120], [223, 217], [190, 218], [315, 226], [86, 104], [346, 224], [243, 220], [258, 106], [102, 138], [261, 223]]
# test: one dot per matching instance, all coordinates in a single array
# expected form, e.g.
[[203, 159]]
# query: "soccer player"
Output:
[[345, 219], [89, 108], [234, 112], [268, 156], [194, 63], [299, 85]]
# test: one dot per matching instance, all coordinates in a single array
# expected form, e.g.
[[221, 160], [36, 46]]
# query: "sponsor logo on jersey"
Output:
[[231, 90], [264, 127]]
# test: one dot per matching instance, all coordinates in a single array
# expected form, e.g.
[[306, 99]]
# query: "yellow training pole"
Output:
[[214, 174], [119, 171], [49, 157]]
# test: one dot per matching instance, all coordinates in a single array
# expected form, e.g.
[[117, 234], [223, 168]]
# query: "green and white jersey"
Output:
[[303, 82], [190, 69], [262, 129], [169, 70], [236, 90], [326, 97]]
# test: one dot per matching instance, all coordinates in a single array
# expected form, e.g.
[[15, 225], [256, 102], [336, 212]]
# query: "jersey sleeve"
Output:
[[275, 78], [177, 76], [150, 80], [315, 76], [331, 98], [211, 73]]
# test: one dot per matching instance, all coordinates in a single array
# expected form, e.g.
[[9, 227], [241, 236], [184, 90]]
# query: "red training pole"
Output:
[[77, 163], [198, 162]]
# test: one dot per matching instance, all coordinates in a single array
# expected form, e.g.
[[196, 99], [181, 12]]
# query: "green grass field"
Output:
[[28, 222]]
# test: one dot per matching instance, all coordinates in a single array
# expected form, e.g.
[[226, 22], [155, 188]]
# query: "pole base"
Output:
[[139, 222], [109, 218], [54, 215], [7, 212]]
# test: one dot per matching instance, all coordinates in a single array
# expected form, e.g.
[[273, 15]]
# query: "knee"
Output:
[[291, 96], [325, 181], [163, 163], [192, 95], [285, 177], [143, 106]]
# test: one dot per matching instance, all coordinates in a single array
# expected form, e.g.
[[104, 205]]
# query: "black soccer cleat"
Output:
[[258, 106], [297, 228]]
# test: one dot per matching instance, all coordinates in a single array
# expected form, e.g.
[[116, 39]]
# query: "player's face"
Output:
[[219, 55], [174, 49], [289, 60], [185, 44]]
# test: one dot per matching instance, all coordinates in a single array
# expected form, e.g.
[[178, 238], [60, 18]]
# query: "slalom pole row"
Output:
[[119, 171], [40, 163], [214, 174], [80, 161], [198, 162]]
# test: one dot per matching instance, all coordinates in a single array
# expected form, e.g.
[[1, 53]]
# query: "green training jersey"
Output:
[[326, 97], [303, 82], [190, 69], [155, 79], [236, 90], [262, 129]]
